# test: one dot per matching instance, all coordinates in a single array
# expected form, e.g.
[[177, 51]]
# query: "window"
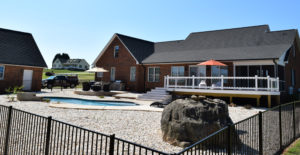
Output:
[[294, 51], [293, 77], [99, 74], [177, 71], [217, 71], [2, 72], [153, 74], [132, 73], [80, 66], [112, 73], [116, 51]]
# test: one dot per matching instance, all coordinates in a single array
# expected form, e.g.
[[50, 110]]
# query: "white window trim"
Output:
[[99, 73], [115, 51], [2, 78], [153, 74], [132, 78]]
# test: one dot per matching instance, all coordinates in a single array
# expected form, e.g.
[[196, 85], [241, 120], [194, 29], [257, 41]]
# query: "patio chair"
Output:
[[202, 84]]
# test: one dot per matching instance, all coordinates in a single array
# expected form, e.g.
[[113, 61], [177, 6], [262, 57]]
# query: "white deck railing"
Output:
[[225, 83]]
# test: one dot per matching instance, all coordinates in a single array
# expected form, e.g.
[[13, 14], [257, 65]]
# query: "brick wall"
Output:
[[122, 65], [293, 63], [13, 76]]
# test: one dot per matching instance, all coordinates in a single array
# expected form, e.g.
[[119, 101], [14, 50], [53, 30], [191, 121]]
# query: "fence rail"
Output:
[[268, 132], [22, 132]]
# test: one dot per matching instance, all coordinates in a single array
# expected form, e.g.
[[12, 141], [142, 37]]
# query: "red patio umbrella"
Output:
[[211, 63]]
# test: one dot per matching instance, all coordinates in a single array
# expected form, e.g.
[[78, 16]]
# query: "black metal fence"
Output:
[[265, 133], [26, 133], [268, 132]]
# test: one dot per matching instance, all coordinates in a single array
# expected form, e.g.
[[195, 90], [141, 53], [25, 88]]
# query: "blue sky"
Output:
[[82, 28]]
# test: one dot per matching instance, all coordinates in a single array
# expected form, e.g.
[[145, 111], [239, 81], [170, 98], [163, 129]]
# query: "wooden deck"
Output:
[[189, 86]]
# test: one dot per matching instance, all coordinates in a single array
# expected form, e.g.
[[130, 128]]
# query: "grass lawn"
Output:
[[82, 76], [293, 149]]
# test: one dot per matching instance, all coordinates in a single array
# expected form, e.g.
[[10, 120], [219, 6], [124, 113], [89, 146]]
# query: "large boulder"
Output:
[[186, 121]]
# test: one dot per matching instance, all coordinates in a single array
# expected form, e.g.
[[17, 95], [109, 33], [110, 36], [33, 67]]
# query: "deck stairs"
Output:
[[158, 94]]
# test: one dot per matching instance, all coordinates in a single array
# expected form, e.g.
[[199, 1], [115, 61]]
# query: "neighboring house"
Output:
[[72, 64], [247, 51], [58, 63], [76, 64], [21, 62]]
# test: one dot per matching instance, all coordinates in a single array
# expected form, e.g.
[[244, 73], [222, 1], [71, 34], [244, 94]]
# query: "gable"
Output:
[[109, 47]]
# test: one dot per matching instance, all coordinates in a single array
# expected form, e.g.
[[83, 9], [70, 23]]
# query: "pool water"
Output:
[[90, 102]]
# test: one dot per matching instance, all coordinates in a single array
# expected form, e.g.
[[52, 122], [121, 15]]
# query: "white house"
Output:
[[75, 64], [58, 63]]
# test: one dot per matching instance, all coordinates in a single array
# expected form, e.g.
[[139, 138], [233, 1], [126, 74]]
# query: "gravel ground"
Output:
[[137, 126]]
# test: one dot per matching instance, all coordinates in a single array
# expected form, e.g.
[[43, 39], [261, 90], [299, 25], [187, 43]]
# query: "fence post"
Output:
[[294, 119], [229, 144], [277, 83], [193, 81], [280, 128], [268, 83], [48, 135], [111, 144], [222, 81], [260, 134], [256, 82], [167, 81], [8, 130]]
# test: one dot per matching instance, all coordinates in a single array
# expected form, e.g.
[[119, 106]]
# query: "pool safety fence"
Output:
[[268, 132]]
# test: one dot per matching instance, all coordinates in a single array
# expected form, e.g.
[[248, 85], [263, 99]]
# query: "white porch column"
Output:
[[268, 82], [193, 81]]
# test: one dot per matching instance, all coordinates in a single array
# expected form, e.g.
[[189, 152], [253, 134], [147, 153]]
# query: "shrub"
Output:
[[49, 74], [248, 106], [232, 105], [46, 100], [101, 96]]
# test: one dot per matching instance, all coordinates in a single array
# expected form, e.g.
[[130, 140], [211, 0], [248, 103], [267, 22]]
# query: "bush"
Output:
[[101, 96], [86, 86], [49, 74], [248, 106]]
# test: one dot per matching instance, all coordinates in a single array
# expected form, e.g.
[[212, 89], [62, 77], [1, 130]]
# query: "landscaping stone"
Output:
[[186, 121]]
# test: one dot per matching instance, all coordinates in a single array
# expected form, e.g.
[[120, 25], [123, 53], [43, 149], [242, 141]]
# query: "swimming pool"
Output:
[[90, 102]]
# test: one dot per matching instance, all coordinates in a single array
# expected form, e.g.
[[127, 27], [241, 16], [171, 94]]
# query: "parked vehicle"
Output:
[[60, 80]]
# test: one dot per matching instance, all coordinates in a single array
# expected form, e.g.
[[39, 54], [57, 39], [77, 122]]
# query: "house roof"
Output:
[[62, 60], [74, 61], [19, 48], [139, 48], [246, 43]]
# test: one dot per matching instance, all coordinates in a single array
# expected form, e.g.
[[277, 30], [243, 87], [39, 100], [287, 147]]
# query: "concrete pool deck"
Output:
[[69, 93]]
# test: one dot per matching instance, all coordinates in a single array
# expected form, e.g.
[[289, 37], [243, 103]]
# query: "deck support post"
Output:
[[269, 101], [230, 99], [258, 101]]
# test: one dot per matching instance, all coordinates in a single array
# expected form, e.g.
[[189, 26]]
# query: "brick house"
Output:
[[247, 51], [21, 62]]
